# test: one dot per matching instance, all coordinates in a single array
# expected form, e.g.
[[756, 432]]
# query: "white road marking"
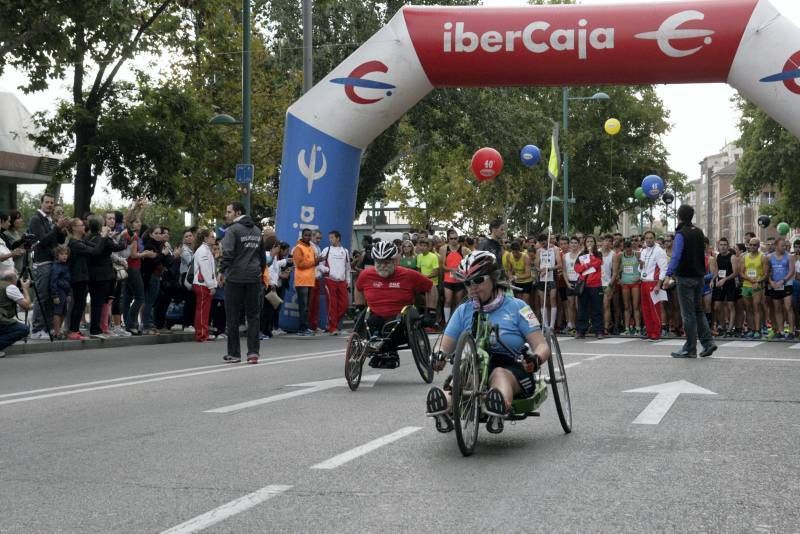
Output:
[[671, 343], [595, 356], [742, 344], [666, 395], [796, 346], [310, 387], [611, 341], [361, 450], [225, 368], [161, 373], [227, 510], [566, 338], [573, 364]]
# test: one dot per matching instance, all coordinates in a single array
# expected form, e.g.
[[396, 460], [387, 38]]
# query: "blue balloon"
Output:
[[530, 155], [653, 186]]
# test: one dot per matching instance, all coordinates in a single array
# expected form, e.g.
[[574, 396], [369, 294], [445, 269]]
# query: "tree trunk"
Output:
[[85, 133]]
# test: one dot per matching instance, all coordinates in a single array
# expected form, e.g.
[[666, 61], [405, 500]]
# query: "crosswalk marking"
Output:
[[670, 343], [742, 344], [612, 341]]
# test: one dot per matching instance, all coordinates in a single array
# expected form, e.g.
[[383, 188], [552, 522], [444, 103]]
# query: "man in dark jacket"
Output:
[[688, 267], [243, 261], [49, 233], [494, 242]]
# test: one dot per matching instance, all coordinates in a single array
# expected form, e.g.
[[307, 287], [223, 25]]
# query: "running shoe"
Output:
[[76, 336], [232, 359], [252, 358]]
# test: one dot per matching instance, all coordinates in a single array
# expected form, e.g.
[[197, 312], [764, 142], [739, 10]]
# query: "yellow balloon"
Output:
[[612, 126]]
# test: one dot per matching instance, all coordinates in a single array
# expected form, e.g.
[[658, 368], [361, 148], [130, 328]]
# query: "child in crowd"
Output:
[[60, 285]]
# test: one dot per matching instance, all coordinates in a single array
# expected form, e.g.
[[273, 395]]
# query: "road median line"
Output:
[[222, 369], [228, 510], [361, 450]]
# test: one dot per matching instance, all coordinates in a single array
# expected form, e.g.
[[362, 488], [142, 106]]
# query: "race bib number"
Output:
[[529, 316], [628, 269], [751, 273], [779, 286], [722, 273], [584, 259]]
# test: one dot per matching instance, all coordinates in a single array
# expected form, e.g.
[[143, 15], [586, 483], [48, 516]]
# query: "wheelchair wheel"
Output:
[[354, 357], [558, 383], [466, 393], [420, 346]]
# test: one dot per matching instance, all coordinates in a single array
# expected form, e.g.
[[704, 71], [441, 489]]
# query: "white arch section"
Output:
[[746, 43]]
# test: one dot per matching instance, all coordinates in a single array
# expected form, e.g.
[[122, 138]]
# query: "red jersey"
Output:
[[386, 297]]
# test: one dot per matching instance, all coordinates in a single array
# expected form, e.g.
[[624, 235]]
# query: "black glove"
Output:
[[438, 360]]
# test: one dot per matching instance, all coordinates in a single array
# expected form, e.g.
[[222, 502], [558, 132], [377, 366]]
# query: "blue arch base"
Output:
[[322, 173]]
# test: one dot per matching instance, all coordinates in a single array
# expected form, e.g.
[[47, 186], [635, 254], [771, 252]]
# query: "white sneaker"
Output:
[[119, 331], [221, 336], [176, 327], [189, 329], [41, 334], [278, 332]]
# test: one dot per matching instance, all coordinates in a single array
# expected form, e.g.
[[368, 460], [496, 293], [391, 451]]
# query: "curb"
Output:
[[38, 347]]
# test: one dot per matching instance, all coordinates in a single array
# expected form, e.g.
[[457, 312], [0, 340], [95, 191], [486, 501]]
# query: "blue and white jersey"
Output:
[[515, 319]]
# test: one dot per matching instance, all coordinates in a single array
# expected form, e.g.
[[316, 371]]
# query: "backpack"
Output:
[[187, 278]]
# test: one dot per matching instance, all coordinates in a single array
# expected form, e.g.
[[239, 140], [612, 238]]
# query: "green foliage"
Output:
[[771, 158], [443, 131]]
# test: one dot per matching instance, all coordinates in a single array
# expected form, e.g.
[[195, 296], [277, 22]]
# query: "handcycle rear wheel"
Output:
[[354, 357], [420, 346], [558, 383], [466, 393]]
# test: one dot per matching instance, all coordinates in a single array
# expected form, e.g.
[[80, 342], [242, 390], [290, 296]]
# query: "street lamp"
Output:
[[246, 97], [565, 151]]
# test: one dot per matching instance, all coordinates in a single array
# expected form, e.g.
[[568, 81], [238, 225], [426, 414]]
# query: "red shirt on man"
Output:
[[386, 297]]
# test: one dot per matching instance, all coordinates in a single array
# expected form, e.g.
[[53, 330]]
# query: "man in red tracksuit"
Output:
[[336, 269], [654, 264]]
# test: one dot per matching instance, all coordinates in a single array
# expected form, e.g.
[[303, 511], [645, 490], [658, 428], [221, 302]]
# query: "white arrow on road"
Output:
[[666, 395], [309, 387]]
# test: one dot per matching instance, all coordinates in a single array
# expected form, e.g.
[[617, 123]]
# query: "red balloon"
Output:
[[486, 164]]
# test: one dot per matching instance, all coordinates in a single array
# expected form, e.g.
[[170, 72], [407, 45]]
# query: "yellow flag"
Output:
[[554, 164]]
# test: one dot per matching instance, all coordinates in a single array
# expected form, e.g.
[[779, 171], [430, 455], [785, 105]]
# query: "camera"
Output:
[[26, 241]]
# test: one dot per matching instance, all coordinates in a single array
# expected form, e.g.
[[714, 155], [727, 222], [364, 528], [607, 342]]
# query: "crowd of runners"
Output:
[[612, 284]]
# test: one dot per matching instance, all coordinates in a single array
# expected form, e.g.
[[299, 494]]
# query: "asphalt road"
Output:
[[149, 438]]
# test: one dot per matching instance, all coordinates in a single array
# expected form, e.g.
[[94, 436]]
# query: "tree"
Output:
[[91, 41], [450, 124], [771, 157]]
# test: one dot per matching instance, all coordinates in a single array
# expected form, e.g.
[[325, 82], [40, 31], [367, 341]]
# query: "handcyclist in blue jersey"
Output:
[[518, 325]]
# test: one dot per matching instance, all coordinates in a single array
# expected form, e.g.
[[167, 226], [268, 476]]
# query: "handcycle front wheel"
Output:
[[354, 357], [558, 383], [420, 346], [466, 393]]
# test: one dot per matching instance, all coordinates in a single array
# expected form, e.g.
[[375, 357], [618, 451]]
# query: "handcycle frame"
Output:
[[362, 343], [470, 382]]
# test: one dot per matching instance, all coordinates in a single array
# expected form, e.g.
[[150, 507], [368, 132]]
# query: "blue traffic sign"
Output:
[[244, 174]]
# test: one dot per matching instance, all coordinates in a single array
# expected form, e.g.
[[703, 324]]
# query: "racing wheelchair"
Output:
[[406, 331], [470, 383]]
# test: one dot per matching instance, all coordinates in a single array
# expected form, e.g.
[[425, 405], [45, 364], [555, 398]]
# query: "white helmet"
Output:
[[384, 250]]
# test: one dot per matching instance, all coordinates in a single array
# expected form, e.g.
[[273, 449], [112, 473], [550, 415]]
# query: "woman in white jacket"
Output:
[[204, 282]]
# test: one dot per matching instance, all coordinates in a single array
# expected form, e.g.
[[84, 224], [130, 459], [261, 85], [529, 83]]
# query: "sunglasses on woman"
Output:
[[475, 281]]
